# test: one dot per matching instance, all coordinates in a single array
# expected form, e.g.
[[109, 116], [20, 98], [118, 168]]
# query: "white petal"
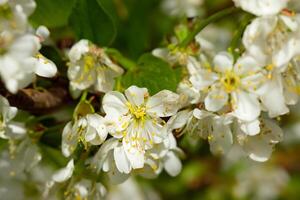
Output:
[[64, 173], [223, 62], [8, 112], [42, 32], [203, 79], [136, 95], [122, 163], [16, 130], [221, 139], [272, 97], [262, 7], [256, 35], [69, 140], [251, 128], [25, 46], [172, 164], [245, 105], [179, 120], [28, 6], [246, 65], [117, 177], [78, 50], [163, 104], [114, 103], [97, 123], [134, 154], [102, 156], [216, 99], [260, 147], [45, 67]]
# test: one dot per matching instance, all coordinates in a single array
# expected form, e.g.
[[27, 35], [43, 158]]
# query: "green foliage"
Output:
[[53, 14], [91, 21], [152, 73]]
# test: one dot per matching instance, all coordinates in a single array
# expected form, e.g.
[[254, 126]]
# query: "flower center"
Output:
[[89, 62], [138, 112], [230, 81]]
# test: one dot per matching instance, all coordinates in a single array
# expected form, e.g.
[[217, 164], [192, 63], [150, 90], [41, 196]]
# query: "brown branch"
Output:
[[39, 101]]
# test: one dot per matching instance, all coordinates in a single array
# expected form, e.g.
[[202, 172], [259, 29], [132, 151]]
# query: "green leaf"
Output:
[[91, 21], [152, 73], [53, 14]]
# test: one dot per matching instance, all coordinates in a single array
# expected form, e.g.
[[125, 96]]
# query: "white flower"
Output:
[[230, 84], [262, 7], [260, 182], [85, 189], [14, 15], [188, 93], [8, 128], [190, 8], [216, 129], [166, 155], [90, 67], [136, 120], [259, 147], [20, 61], [111, 158], [89, 129], [273, 40], [272, 95]]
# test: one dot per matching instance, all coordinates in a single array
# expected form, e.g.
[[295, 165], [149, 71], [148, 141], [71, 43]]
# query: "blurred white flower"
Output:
[[20, 60], [190, 8], [14, 15], [273, 40], [260, 182], [216, 129], [90, 67], [9, 128], [259, 147], [262, 7], [87, 189]]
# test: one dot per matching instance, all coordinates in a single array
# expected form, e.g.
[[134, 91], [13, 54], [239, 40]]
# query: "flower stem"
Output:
[[235, 42], [201, 24], [122, 60], [83, 96]]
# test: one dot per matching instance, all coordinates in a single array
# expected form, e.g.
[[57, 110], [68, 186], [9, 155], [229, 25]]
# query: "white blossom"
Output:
[[136, 120], [190, 8], [259, 147], [216, 129], [273, 40], [231, 84], [9, 128], [90, 67], [89, 129], [260, 182], [262, 7]]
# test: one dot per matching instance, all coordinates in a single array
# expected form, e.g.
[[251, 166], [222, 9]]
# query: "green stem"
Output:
[[201, 24], [235, 42], [122, 60], [83, 96]]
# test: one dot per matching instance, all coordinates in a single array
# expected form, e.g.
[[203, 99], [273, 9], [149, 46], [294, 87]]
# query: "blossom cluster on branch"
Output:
[[230, 98]]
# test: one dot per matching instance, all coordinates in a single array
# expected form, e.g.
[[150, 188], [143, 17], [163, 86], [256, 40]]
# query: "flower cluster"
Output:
[[20, 59], [230, 98]]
